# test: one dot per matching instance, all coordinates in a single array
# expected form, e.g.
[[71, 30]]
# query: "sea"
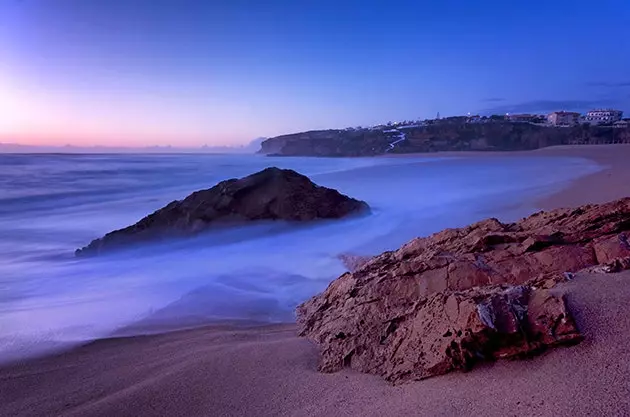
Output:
[[52, 204]]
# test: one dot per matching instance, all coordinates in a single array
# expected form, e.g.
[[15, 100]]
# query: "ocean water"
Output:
[[51, 205]]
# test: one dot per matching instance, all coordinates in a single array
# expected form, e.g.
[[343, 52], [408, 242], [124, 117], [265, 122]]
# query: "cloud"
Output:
[[493, 99], [544, 106], [609, 84]]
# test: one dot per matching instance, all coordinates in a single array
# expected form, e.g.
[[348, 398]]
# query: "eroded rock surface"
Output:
[[271, 194], [443, 302]]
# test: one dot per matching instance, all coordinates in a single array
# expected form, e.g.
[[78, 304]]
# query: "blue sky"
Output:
[[186, 73]]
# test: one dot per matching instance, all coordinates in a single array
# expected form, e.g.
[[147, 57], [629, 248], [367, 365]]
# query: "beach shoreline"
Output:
[[610, 183], [221, 369]]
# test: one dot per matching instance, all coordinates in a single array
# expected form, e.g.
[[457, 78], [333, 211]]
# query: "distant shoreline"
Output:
[[445, 136], [610, 183]]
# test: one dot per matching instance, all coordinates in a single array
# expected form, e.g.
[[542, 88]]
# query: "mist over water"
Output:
[[51, 205]]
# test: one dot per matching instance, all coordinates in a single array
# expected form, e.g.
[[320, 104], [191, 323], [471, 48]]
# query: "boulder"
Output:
[[451, 331], [271, 194], [443, 302]]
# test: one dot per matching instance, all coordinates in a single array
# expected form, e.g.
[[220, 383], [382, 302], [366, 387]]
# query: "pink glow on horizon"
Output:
[[32, 115]]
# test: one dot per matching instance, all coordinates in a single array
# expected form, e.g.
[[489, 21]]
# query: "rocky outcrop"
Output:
[[451, 331], [446, 301], [271, 194]]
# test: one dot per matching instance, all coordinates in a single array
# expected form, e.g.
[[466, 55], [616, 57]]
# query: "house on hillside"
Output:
[[603, 116], [563, 118]]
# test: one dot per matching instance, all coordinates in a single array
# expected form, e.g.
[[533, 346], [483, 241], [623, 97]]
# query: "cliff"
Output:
[[328, 143], [440, 136]]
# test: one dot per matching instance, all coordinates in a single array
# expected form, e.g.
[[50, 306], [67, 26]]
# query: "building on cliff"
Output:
[[563, 118], [603, 116]]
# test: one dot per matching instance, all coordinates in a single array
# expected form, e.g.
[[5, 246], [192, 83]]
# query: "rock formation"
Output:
[[271, 194], [443, 302]]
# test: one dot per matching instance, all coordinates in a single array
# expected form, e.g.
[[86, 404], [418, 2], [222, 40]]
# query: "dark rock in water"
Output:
[[271, 194]]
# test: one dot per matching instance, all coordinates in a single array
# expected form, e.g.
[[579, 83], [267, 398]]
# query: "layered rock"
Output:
[[271, 194], [443, 302]]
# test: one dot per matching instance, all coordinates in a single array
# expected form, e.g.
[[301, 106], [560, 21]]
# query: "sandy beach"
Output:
[[609, 184], [612, 182], [223, 370]]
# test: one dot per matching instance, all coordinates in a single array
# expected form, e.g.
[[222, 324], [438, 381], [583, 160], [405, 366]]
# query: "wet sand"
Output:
[[222, 370], [269, 372], [611, 183]]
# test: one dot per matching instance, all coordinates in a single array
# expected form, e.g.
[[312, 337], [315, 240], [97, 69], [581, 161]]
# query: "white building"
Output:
[[600, 116], [563, 118]]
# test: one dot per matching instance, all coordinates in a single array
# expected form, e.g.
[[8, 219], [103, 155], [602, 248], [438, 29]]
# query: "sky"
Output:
[[207, 72]]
